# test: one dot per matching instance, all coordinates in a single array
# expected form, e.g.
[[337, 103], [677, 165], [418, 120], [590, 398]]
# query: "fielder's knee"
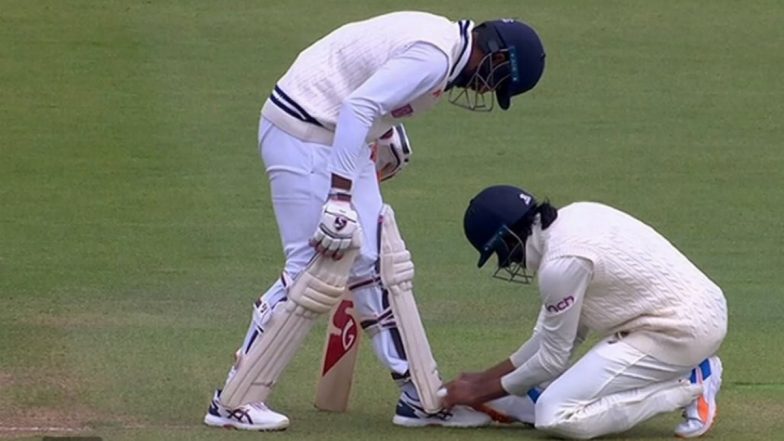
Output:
[[556, 417], [546, 413]]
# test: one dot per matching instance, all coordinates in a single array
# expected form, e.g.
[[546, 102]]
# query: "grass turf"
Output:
[[135, 227]]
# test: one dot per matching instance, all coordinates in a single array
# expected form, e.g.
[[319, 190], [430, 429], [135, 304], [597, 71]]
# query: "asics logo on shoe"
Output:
[[444, 415], [239, 415]]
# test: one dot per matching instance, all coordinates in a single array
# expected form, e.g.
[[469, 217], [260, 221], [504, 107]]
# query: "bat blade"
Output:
[[340, 356]]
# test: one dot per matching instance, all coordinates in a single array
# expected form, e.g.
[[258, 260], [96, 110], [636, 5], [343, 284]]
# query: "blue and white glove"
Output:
[[338, 229]]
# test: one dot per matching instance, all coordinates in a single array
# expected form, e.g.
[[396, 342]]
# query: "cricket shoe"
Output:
[[512, 409], [700, 415], [409, 413], [251, 416]]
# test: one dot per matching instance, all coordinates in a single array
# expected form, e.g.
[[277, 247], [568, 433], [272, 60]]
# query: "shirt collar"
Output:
[[466, 39], [534, 246]]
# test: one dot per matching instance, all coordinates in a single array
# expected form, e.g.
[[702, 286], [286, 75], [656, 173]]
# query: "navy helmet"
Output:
[[489, 223], [513, 63], [525, 54]]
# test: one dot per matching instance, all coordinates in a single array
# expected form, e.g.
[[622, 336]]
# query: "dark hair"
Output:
[[547, 212]]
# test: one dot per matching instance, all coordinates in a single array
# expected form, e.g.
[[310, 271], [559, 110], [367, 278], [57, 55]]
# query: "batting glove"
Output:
[[338, 229]]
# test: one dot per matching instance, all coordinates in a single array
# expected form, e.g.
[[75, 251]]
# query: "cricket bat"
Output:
[[340, 356]]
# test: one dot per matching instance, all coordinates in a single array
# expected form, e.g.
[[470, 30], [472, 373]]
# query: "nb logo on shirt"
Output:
[[561, 305]]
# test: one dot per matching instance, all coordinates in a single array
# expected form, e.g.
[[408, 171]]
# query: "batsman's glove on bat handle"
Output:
[[392, 152], [339, 227]]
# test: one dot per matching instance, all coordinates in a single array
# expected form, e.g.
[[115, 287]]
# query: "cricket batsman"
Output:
[[355, 87], [660, 320]]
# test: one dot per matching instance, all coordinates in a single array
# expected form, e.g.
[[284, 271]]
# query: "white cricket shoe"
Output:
[[512, 408], [409, 413], [700, 415], [251, 416]]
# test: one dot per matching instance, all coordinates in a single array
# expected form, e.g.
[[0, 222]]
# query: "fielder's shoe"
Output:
[[512, 408], [251, 416], [409, 413], [700, 415]]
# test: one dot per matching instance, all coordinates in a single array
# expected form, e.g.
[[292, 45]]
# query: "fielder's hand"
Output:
[[471, 389], [338, 229], [392, 152], [460, 391]]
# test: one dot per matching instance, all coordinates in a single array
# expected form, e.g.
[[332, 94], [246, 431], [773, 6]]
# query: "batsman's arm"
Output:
[[413, 73]]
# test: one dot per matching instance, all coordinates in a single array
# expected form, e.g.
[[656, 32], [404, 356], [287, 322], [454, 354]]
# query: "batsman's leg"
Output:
[[398, 336], [254, 415], [397, 274], [379, 323], [298, 183], [314, 292], [270, 348]]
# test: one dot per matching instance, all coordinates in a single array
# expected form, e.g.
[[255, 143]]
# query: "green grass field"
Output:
[[136, 230]]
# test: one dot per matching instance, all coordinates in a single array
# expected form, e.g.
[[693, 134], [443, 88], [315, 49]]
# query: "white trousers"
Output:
[[611, 389], [299, 182]]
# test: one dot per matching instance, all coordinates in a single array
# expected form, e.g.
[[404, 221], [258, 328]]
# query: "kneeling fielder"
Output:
[[662, 320]]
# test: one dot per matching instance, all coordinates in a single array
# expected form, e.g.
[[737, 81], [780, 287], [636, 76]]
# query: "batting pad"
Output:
[[397, 274], [315, 291]]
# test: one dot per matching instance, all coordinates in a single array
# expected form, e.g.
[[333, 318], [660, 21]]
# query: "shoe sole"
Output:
[[716, 372], [213, 421], [707, 431], [420, 422], [495, 415]]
